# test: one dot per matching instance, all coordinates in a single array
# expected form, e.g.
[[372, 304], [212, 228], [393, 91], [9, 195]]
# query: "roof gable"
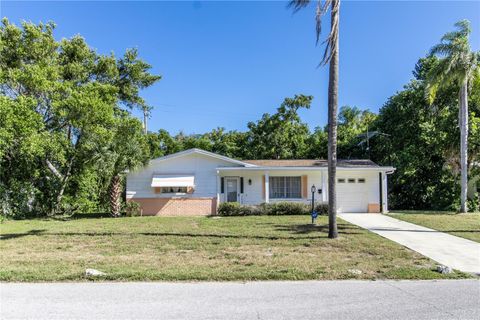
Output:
[[205, 153]]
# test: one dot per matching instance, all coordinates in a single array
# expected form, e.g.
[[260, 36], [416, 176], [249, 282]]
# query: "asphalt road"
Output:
[[448, 299]]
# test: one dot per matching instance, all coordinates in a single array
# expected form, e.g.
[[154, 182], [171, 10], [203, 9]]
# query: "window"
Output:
[[341, 180], [285, 187], [173, 189], [350, 180], [361, 180]]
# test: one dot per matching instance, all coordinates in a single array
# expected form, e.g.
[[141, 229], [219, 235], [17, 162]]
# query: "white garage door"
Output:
[[352, 195]]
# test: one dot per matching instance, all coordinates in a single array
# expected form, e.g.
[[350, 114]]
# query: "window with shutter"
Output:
[[285, 187]]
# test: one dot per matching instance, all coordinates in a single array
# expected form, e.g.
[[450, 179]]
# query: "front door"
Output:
[[232, 189]]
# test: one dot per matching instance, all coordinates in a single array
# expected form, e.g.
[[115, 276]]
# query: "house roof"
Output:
[[203, 152], [313, 163], [298, 164]]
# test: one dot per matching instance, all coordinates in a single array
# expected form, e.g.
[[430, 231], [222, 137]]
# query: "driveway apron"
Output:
[[448, 250]]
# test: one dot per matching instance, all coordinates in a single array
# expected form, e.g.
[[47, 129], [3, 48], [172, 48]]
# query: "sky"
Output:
[[225, 63]]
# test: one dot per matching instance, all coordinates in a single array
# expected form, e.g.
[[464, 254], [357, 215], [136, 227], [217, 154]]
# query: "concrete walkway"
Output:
[[455, 252], [346, 300]]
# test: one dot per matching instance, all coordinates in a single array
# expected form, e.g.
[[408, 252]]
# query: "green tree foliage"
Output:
[[317, 144], [60, 104], [127, 150], [353, 126], [458, 66], [67, 137], [281, 135], [278, 136], [228, 143], [423, 143]]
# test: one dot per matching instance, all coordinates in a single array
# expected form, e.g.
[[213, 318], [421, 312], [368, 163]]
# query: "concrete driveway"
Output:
[[455, 252], [447, 299]]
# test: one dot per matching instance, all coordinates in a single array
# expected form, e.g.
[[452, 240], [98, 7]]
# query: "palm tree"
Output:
[[456, 66], [128, 150], [330, 56], [146, 114]]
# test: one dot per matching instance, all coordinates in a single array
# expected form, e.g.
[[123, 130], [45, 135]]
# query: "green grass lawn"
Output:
[[465, 225], [200, 248]]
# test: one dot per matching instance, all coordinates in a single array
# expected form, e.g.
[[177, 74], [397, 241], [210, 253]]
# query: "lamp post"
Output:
[[313, 189]]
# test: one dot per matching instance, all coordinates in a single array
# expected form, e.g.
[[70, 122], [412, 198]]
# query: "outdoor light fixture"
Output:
[[313, 189], [249, 182]]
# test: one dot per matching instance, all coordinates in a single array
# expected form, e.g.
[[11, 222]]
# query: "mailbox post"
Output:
[[313, 189]]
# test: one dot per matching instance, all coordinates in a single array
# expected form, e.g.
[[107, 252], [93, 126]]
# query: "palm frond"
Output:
[[318, 20], [464, 27], [431, 92], [322, 8], [437, 78], [443, 49], [332, 39], [463, 31], [319, 12], [297, 5], [458, 63]]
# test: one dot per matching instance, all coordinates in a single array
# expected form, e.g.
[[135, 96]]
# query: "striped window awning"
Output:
[[173, 181]]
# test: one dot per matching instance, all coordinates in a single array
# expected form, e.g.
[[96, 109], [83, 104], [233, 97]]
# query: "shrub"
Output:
[[132, 209], [271, 209], [284, 208], [474, 204], [229, 209], [236, 209], [322, 209]]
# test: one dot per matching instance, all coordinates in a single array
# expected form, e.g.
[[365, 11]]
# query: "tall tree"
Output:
[[281, 135], [421, 143], [331, 56], [458, 65], [134, 75], [128, 149], [353, 125], [72, 95]]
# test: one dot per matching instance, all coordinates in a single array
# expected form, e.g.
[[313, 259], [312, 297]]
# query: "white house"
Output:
[[195, 181]]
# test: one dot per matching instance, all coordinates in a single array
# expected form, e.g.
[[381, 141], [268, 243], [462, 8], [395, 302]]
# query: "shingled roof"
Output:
[[313, 163]]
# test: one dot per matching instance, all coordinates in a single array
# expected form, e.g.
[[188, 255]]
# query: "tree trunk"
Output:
[[58, 200], [463, 123], [63, 184], [332, 124], [114, 194], [145, 116]]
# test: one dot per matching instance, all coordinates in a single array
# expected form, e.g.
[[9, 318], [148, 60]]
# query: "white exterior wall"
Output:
[[207, 172], [253, 194], [201, 166]]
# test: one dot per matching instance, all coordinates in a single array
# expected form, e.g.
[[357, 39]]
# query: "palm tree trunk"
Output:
[[114, 194], [145, 117], [332, 125], [463, 122]]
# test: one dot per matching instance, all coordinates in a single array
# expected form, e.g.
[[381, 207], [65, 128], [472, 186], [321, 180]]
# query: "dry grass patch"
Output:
[[199, 248]]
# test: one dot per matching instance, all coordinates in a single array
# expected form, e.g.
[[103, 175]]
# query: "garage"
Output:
[[358, 193]]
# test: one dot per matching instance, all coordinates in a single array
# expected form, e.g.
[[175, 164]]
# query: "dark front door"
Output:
[[232, 189]]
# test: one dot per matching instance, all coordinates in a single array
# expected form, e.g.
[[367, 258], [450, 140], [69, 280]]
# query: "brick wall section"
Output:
[[177, 206]]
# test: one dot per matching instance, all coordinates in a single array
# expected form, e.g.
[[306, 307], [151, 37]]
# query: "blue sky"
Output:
[[226, 63]]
